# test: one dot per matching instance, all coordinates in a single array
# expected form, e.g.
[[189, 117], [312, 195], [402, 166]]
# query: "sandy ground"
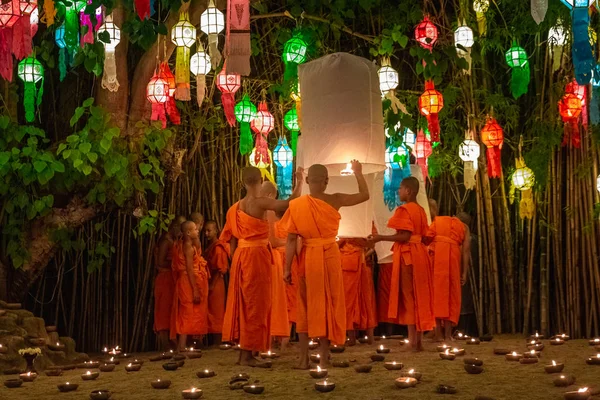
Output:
[[500, 379]]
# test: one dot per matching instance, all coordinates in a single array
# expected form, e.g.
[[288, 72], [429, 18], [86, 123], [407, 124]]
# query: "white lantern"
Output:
[[481, 6], [410, 139], [464, 37], [469, 151], [557, 36], [523, 178], [577, 3], [200, 66], [183, 33], [212, 22], [388, 78], [109, 75], [114, 33]]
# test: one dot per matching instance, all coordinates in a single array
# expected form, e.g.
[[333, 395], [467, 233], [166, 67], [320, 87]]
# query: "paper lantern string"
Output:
[[245, 112], [581, 49], [266, 168], [492, 137], [31, 71], [228, 84], [262, 124], [6, 58], [480, 7], [21, 37], [523, 179], [49, 11], [86, 21], [109, 75], [557, 38]]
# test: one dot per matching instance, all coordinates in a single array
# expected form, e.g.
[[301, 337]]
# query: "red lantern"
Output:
[[228, 84], [422, 151], [426, 33], [24, 29], [164, 72], [493, 138], [430, 104], [157, 93], [581, 92], [262, 125], [570, 108], [10, 12]]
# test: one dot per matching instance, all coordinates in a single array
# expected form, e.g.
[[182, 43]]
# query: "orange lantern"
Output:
[[422, 151], [431, 103], [426, 33], [157, 93], [493, 138], [228, 84], [164, 72], [570, 108]]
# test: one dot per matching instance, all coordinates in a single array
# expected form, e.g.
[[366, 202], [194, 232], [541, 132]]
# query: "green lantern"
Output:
[[516, 58], [294, 53], [290, 120], [245, 112], [31, 71]]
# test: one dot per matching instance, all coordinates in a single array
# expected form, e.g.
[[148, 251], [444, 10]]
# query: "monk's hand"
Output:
[[287, 277], [299, 174], [196, 296], [356, 166], [463, 280]]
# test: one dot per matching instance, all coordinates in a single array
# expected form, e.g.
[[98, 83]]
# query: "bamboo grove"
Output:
[[541, 274]]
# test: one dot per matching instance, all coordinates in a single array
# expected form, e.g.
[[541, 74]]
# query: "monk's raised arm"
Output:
[[299, 182], [348, 200], [290, 250], [271, 204]]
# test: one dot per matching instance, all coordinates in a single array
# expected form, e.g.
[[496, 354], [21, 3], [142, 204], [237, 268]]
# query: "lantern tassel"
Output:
[[494, 162], [422, 162], [200, 89], [62, 64], [299, 113], [262, 150], [238, 37], [466, 55], [581, 50], [213, 50], [142, 7], [433, 124], [21, 38], [246, 142], [228, 101], [527, 205], [520, 80], [395, 103], [6, 58], [86, 24], [538, 10], [109, 75], [182, 74], [481, 23], [71, 31], [49, 11], [595, 107], [571, 134], [295, 139], [469, 174], [29, 101], [158, 113], [284, 181], [173, 112], [556, 53]]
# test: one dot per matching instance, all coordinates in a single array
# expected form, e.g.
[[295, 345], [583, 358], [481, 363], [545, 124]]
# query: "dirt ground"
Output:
[[500, 379]]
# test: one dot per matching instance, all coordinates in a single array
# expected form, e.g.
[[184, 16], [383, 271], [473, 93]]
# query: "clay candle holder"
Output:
[[532, 354], [107, 367], [442, 348], [269, 355], [67, 387], [56, 346], [28, 376], [593, 342], [131, 367], [13, 383], [337, 349], [324, 386], [473, 361], [501, 352], [192, 393], [411, 373], [446, 355], [473, 369], [254, 388], [113, 360], [554, 367], [168, 355], [225, 346], [405, 382], [535, 346], [318, 373], [564, 380], [313, 345], [193, 354], [3, 349], [514, 356], [557, 341], [54, 372], [383, 350], [363, 340], [100, 394], [446, 389], [127, 355], [486, 338], [161, 384], [536, 336], [340, 363], [90, 376], [528, 360], [316, 358], [473, 341], [377, 357], [404, 341], [170, 366], [393, 366], [563, 336], [363, 369], [593, 360], [140, 362], [460, 336], [156, 358], [458, 352], [580, 394], [91, 364], [205, 373]]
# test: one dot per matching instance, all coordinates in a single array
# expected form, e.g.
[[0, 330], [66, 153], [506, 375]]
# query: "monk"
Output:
[[164, 284], [450, 253], [411, 292], [190, 304], [359, 292], [280, 325], [321, 310], [248, 309], [217, 257], [198, 219]]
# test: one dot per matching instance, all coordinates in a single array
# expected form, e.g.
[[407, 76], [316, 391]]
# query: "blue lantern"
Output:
[[284, 160], [581, 50], [397, 161]]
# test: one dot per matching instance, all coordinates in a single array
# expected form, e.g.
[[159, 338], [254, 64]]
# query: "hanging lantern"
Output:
[[9, 15], [23, 30], [183, 35], [228, 84], [59, 39], [10, 12], [422, 151], [291, 122], [284, 160], [463, 40], [581, 48], [262, 125], [426, 33], [397, 161], [557, 37], [164, 73], [469, 152], [31, 71], [72, 10], [523, 180], [409, 138], [577, 3], [86, 21], [570, 109], [538, 10], [109, 76], [212, 22], [142, 8], [200, 66], [480, 7], [257, 160], [237, 37], [431, 103], [157, 93], [581, 92], [388, 78], [245, 112], [294, 53], [492, 137], [516, 58]]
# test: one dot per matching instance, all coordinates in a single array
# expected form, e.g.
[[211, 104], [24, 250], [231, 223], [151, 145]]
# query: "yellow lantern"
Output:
[[183, 35], [523, 180]]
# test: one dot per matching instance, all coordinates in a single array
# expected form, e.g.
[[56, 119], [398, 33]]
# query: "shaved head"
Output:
[[251, 176], [211, 223], [433, 208], [175, 226], [268, 189], [317, 171], [196, 216], [412, 184], [464, 218], [188, 226]]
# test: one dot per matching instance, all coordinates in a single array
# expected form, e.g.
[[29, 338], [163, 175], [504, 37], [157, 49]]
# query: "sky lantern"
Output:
[[245, 112], [212, 22], [516, 58], [426, 33], [31, 71], [109, 75], [200, 66], [492, 137], [431, 103], [284, 161], [228, 84], [157, 93], [183, 35], [570, 108]]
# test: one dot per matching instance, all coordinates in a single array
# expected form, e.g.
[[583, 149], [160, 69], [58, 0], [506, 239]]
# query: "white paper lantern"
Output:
[[200, 63], [183, 34], [464, 37], [523, 178], [557, 35], [388, 78], [481, 6], [109, 75], [598, 183], [212, 20], [469, 150], [114, 34]]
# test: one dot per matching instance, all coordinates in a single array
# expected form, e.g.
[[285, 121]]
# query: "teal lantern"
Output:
[[31, 71], [397, 161], [284, 160], [245, 112], [516, 58], [290, 121], [65, 57]]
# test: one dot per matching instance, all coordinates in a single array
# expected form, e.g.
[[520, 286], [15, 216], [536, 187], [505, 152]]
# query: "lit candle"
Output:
[[405, 382], [158, 384], [207, 373], [324, 386], [458, 352], [564, 381], [594, 360], [383, 337], [446, 355], [347, 171], [192, 393], [383, 349], [580, 394], [393, 366], [514, 356], [318, 372], [28, 377], [593, 342], [554, 367], [67, 387], [254, 389]]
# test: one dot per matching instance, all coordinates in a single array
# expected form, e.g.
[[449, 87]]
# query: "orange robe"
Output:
[[248, 310], [358, 287], [290, 290], [448, 234], [321, 307], [188, 318], [384, 283], [280, 324], [164, 288], [217, 257], [411, 292]]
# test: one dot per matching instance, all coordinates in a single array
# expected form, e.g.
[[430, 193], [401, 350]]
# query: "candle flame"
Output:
[[532, 352], [193, 390], [455, 350], [129, 365], [472, 340], [447, 351], [412, 371], [347, 171], [393, 362], [553, 363], [68, 383], [89, 373], [460, 334], [563, 335], [253, 386], [583, 390], [598, 355], [383, 337], [158, 380], [381, 347], [514, 353], [558, 339], [318, 369], [562, 377], [595, 340], [533, 342], [29, 374]]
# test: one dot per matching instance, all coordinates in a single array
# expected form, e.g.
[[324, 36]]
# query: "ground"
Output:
[[500, 379]]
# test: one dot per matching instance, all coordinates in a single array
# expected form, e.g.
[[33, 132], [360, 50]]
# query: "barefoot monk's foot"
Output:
[[255, 363]]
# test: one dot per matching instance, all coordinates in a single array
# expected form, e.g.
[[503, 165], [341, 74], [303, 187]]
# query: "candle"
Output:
[[324, 386], [29, 376], [225, 346], [90, 376], [313, 345], [458, 352], [107, 367], [102, 394], [580, 394], [383, 337], [269, 355], [446, 355], [3, 349], [532, 354], [171, 366], [205, 373], [318, 373], [132, 367], [364, 339], [67, 387], [254, 388], [340, 363], [473, 361], [54, 372], [56, 347], [316, 358], [514, 356], [564, 380], [593, 360], [363, 369], [405, 382], [446, 389], [554, 367], [382, 349], [404, 341], [161, 384], [412, 374], [593, 342], [192, 393], [473, 369], [13, 383], [377, 357], [529, 360], [473, 341], [442, 348], [460, 336], [557, 341], [393, 366], [337, 349]]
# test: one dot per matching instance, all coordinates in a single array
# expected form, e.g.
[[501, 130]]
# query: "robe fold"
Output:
[[384, 283], [448, 234], [164, 288], [248, 309], [321, 310], [188, 318], [290, 290], [358, 287], [411, 291], [217, 257], [280, 324]]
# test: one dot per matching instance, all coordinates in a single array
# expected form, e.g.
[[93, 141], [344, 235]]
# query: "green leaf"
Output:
[[85, 147], [72, 139], [66, 154], [58, 166], [105, 144], [78, 113], [39, 205], [92, 156], [153, 213], [45, 176], [89, 101], [77, 162], [49, 200], [403, 41], [4, 157], [161, 29], [39, 166], [87, 169], [145, 168], [61, 147]]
